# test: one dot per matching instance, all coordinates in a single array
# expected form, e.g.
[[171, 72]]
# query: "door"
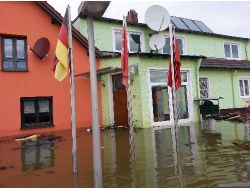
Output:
[[120, 101]]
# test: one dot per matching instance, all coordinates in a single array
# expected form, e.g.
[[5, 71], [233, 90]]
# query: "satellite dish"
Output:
[[41, 47], [157, 42], [157, 18]]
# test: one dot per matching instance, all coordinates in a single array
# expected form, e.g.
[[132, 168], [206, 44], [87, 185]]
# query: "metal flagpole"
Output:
[[173, 78], [97, 163], [72, 94]]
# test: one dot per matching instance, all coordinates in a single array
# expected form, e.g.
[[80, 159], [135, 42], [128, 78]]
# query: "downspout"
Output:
[[198, 86], [233, 88]]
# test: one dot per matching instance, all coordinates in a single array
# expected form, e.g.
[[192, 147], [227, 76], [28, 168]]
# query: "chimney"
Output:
[[132, 17]]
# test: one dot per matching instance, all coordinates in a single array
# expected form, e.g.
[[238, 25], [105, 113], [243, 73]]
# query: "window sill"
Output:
[[18, 71], [37, 126]]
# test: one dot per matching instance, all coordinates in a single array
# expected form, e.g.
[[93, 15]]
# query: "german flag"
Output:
[[60, 66]]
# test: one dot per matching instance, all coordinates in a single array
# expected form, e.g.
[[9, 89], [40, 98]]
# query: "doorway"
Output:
[[120, 101]]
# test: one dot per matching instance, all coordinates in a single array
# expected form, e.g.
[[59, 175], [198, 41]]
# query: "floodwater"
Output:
[[202, 157]]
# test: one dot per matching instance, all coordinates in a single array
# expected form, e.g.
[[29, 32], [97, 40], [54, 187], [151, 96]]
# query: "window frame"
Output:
[[183, 39], [231, 51], [36, 125], [142, 39], [208, 85], [14, 52], [248, 79]]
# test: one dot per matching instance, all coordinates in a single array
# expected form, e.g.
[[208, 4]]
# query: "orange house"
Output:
[[32, 101]]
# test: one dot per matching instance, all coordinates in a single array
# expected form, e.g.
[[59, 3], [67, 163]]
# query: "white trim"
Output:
[[248, 79], [231, 53], [111, 100], [209, 94], [183, 39], [141, 33], [188, 85]]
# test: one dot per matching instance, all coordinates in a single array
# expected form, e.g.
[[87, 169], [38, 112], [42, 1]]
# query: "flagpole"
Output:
[[173, 78], [72, 94], [97, 162]]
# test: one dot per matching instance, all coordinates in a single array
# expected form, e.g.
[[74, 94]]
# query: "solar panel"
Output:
[[178, 23], [202, 26], [191, 25]]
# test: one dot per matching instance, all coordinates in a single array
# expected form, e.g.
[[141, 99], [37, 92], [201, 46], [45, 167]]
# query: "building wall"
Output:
[[196, 44], [28, 19], [225, 83], [142, 113]]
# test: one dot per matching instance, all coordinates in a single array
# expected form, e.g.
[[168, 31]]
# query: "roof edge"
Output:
[[58, 18]]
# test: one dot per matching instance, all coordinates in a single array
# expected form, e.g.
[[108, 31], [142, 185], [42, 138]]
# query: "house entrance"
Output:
[[120, 101]]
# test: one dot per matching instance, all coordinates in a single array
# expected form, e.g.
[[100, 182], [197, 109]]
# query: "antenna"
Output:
[[157, 42], [157, 18], [41, 48]]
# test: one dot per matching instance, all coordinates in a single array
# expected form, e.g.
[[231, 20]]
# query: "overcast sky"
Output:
[[223, 17]]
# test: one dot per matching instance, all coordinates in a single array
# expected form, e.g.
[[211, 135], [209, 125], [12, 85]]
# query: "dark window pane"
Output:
[[235, 51], [29, 112], [44, 111], [182, 103], [183, 77], [21, 65], [180, 44], [8, 65], [241, 88], [160, 103], [227, 50], [158, 76], [8, 48], [117, 82], [20, 49], [246, 87], [134, 42], [118, 41], [166, 48]]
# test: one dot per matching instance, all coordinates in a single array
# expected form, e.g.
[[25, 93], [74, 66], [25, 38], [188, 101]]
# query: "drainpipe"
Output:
[[233, 88], [198, 85]]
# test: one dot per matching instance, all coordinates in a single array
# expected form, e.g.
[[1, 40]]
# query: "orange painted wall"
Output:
[[29, 19]]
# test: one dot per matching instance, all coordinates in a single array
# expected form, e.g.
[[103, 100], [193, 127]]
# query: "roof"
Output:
[[110, 54], [215, 63], [181, 25], [57, 18]]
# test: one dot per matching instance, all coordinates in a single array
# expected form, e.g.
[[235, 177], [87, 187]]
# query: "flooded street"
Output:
[[204, 156]]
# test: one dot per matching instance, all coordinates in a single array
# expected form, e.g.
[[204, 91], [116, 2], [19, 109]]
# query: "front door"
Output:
[[120, 101]]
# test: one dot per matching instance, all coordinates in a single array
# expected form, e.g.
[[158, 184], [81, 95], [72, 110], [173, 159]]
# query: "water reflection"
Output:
[[37, 156], [200, 156]]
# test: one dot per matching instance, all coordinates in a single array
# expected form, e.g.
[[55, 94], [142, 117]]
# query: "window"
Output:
[[231, 50], [244, 87], [166, 48], [135, 41], [36, 112], [14, 54], [161, 95], [204, 87]]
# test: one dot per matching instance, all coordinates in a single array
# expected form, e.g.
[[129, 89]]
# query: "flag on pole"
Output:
[[177, 65], [60, 66], [124, 55]]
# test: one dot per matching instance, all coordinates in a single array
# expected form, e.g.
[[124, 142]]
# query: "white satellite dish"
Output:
[[157, 42], [157, 18]]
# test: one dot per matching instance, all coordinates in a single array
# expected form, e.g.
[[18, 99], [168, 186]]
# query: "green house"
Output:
[[214, 66]]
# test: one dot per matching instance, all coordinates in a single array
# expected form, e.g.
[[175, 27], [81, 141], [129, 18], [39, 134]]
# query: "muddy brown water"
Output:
[[205, 158]]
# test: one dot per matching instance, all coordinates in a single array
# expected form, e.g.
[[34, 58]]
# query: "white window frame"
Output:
[[248, 79], [208, 85], [188, 84], [141, 33], [183, 39], [231, 53]]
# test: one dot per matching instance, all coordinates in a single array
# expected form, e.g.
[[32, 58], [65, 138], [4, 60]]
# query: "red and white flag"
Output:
[[177, 65], [124, 55]]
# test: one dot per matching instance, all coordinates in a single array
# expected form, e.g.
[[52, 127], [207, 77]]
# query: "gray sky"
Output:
[[223, 17]]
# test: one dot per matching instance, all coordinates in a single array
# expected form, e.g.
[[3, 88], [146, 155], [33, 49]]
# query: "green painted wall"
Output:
[[196, 44], [225, 83], [142, 112]]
